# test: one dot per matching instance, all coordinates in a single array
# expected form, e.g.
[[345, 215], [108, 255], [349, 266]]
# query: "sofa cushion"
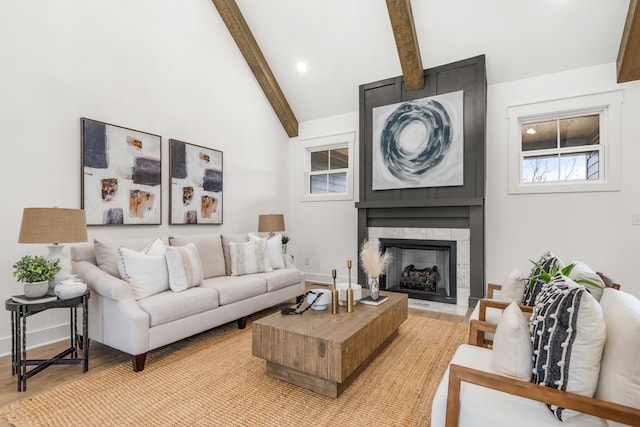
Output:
[[274, 249], [568, 333], [226, 239], [168, 306], [531, 290], [184, 266], [145, 271], [210, 248], [512, 345], [483, 407], [620, 368], [249, 257], [279, 279], [106, 252], [582, 271], [236, 288]]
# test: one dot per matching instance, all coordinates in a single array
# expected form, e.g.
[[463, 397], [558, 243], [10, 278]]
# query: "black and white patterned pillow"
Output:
[[531, 290], [568, 334]]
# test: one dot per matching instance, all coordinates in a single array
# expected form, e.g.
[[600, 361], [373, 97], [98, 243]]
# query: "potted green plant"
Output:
[[546, 276], [35, 272]]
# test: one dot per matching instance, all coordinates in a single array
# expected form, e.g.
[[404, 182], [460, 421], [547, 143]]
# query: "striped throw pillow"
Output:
[[185, 267]]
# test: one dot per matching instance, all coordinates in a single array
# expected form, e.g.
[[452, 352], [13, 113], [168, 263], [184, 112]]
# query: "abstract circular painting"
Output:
[[419, 143]]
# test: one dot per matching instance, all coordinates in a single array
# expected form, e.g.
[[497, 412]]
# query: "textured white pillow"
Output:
[[249, 257], [568, 333], [512, 345], [582, 271], [620, 371], [145, 271], [184, 266], [513, 286], [274, 249]]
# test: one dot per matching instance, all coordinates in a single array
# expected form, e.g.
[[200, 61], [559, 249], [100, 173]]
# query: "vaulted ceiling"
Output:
[[347, 43]]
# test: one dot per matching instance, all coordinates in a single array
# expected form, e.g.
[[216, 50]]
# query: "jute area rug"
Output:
[[213, 380]]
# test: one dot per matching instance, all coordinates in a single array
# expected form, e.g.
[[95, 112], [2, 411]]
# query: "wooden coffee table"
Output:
[[325, 352]]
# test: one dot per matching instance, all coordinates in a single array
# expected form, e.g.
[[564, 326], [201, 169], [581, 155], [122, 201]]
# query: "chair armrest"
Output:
[[501, 305], [587, 405], [477, 329], [491, 288]]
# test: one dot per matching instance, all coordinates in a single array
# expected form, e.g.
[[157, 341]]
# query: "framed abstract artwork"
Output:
[[196, 184], [419, 143], [121, 182]]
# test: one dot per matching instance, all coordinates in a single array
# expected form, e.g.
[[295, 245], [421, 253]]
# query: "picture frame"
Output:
[[196, 184], [419, 143], [121, 175]]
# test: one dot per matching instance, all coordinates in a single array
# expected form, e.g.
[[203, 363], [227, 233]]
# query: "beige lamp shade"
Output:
[[53, 225], [271, 223]]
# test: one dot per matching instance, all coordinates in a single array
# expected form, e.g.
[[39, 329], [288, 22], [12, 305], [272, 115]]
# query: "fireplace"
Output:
[[423, 269]]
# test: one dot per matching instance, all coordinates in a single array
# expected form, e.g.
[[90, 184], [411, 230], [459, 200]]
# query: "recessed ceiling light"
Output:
[[531, 131], [302, 67]]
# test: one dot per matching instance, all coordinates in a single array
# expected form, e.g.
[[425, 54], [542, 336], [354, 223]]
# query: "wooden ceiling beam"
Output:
[[404, 31], [628, 63], [235, 22]]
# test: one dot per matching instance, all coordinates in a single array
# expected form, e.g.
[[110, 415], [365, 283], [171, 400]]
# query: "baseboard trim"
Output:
[[38, 338]]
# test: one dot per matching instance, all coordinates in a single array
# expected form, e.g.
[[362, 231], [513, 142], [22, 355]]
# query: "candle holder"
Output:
[[349, 290], [335, 306]]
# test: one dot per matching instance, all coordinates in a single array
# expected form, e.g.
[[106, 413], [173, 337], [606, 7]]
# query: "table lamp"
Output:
[[54, 225], [270, 223]]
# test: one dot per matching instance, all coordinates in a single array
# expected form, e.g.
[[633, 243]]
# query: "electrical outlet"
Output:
[[635, 219], [306, 261]]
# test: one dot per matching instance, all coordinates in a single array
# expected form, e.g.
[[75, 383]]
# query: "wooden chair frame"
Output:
[[587, 405], [477, 336]]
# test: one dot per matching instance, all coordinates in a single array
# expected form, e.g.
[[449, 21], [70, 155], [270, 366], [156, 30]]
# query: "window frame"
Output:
[[607, 105], [331, 142]]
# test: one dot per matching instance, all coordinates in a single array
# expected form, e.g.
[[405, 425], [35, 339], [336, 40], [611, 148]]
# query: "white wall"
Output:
[[164, 67], [322, 232], [591, 227]]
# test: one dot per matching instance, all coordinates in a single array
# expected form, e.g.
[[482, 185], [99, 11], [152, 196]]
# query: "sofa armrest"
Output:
[[101, 282], [587, 405]]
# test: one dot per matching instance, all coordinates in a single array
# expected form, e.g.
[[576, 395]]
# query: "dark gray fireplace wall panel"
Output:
[[436, 207]]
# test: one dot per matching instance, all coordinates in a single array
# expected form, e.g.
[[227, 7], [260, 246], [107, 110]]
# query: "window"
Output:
[[328, 170], [565, 145]]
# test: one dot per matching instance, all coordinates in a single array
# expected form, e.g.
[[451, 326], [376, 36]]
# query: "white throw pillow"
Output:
[[274, 249], [249, 257], [512, 345], [513, 287], [568, 333], [184, 266], [620, 369], [582, 271], [145, 271]]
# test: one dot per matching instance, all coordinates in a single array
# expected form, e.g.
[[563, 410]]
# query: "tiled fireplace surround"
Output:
[[460, 235]]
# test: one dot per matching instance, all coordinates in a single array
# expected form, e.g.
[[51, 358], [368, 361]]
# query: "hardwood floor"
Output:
[[100, 357]]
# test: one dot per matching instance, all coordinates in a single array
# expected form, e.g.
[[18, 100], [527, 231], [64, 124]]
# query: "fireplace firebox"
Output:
[[423, 269]]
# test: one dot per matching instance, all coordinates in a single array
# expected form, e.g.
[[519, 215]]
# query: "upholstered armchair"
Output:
[[475, 391]]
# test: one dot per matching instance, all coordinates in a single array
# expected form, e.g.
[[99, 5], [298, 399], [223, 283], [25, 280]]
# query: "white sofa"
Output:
[[471, 393], [123, 320]]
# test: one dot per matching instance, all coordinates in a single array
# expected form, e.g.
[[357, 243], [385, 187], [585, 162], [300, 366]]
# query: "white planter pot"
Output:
[[36, 289]]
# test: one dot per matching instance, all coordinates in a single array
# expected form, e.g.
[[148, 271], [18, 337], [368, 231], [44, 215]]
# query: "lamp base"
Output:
[[57, 252]]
